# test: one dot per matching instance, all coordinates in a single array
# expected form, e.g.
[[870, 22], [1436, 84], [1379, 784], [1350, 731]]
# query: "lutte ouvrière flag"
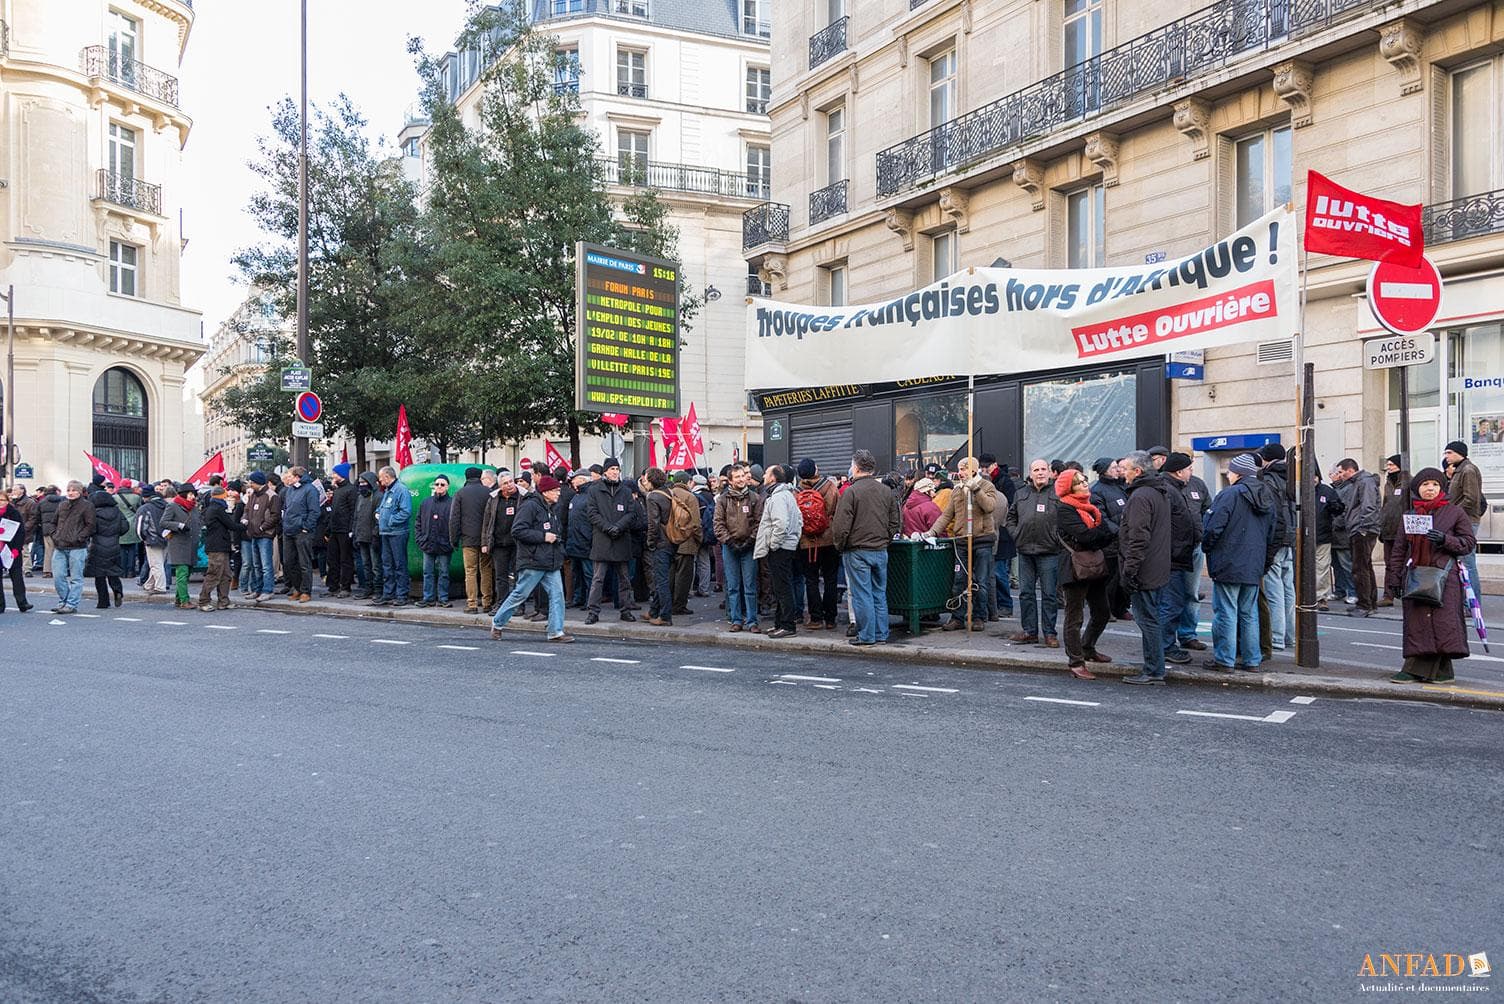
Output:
[[1342, 222], [402, 447]]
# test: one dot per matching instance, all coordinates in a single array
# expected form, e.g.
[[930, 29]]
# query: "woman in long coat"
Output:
[[1433, 636], [104, 561]]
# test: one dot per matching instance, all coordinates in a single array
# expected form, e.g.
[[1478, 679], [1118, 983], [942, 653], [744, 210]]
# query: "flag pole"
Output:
[[971, 451], [1307, 647]]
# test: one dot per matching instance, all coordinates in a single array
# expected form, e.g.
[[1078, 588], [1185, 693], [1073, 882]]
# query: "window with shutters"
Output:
[[1085, 228], [1263, 165], [1477, 152]]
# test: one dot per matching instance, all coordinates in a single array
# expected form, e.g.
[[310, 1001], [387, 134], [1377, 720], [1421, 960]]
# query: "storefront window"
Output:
[[1081, 419], [929, 429]]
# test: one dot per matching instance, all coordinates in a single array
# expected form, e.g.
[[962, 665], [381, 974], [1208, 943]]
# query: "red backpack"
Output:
[[812, 508]]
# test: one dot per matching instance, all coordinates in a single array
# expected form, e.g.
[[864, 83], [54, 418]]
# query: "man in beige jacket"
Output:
[[973, 500]]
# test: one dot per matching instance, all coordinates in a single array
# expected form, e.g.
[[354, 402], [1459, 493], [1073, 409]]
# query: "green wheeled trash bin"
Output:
[[920, 577]]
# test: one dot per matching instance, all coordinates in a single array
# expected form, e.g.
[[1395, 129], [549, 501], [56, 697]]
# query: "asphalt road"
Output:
[[254, 807]]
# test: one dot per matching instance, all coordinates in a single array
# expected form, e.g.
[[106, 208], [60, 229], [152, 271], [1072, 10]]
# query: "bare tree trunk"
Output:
[[360, 448], [574, 442]]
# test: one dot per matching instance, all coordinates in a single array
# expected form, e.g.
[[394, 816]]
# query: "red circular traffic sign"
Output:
[[1405, 298], [308, 406]]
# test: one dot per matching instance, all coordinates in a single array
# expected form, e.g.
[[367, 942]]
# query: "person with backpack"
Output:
[[149, 529], [1278, 593], [816, 497]]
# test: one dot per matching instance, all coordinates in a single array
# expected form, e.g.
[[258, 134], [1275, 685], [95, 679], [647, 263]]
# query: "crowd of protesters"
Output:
[[790, 547]]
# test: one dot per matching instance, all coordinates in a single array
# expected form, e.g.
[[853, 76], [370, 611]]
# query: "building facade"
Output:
[[918, 137], [678, 95], [239, 352], [92, 139]]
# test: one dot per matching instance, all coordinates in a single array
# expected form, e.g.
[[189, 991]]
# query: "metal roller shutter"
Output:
[[829, 446]]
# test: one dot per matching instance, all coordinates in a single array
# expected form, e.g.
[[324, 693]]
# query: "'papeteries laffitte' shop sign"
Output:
[[996, 321]]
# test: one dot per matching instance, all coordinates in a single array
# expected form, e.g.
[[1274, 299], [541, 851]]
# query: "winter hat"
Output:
[[258, 477], [343, 470], [1159, 451], [1458, 446], [186, 488], [236, 485], [1428, 474], [1064, 483], [581, 473], [98, 479], [597, 469], [547, 484], [472, 473], [1101, 464], [757, 471], [1176, 462], [610, 463], [924, 485], [219, 491], [1272, 452], [1244, 465], [699, 481], [1395, 460], [807, 468]]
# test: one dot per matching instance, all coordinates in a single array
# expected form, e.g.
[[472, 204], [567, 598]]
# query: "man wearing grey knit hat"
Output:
[[1239, 542]]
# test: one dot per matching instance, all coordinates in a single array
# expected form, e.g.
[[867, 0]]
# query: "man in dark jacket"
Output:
[[1279, 581], [1178, 608], [1329, 506], [614, 516], [301, 502], [1363, 531], [1034, 527], [434, 536], [219, 534], [342, 533], [738, 511], [1144, 557], [73, 531], [497, 542], [1391, 525], [1240, 540], [261, 523], [1465, 490], [540, 556], [1108, 494], [466, 525], [180, 527], [866, 519], [577, 534], [1005, 552], [367, 544]]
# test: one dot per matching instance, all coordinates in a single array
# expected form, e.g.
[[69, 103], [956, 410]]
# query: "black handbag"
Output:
[[1426, 583]]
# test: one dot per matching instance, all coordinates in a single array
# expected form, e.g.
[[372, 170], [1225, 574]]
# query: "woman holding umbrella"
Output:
[[1434, 635]]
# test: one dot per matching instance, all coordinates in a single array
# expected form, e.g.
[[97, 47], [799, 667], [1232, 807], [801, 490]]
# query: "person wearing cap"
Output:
[[394, 517], [467, 515], [1434, 636], [1240, 539], [149, 528], [1277, 597], [496, 535], [1158, 455], [180, 527], [705, 558], [1362, 532], [219, 538], [1180, 591], [577, 534], [341, 549], [540, 556], [261, 524], [1465, 489], [435, 542], [1145, 557], [919, 509], [614, 515], [1391, 526], [970, 512], [816, 496]]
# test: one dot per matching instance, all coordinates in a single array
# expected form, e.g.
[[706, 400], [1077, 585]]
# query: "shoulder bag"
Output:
[[1425, 584]]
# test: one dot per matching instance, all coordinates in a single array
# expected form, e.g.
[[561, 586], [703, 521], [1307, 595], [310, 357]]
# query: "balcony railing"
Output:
[[765, 224], [570, 85], [101, 61], [1471, 216], [557, 10], [627, 90], [757, 106], [827, 42], [132, 193], [1178, 51], [828, 201], [636, 173], [756, 287]]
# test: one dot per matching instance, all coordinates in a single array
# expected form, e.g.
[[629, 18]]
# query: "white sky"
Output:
[[242, 58]]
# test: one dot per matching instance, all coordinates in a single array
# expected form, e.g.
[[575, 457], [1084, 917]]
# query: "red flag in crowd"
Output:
[[402, 447], [1342, 222], [344, 454], [675, 450], [617, 420], [554, 457], [691, 429], [214, 465], [652, 447], [103, 469]]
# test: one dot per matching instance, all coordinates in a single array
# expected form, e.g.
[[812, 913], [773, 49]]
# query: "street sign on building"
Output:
[[308, 430], [627, 352], [24, 471], [308, 407], [296, 378], [1403, 298], [1187, 365], [1399, 350], [260, 454]]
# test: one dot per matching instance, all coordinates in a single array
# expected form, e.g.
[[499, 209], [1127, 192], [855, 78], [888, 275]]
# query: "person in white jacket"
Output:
[[778, 541]]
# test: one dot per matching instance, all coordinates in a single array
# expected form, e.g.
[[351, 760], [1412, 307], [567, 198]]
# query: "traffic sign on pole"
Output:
[[1399, 350], [296, 378], [308, 430], [1405, 299], [308, 407]]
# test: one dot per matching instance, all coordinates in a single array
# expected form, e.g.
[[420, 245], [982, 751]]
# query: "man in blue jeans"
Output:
[[866, 519], [70, 547], [394, 516], [540, 556], [1240, 541], [1144, 557], [1032, 524], [738, 510]]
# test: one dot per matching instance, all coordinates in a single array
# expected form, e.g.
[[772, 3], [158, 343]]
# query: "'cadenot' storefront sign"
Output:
[[990, 320]]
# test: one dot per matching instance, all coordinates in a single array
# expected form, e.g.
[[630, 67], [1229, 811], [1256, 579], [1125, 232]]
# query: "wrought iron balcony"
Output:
[[627, 90], [1169, 55], [765, 224], [636, 173], [1470, 216], [559, 10], [101, 61], [828, 201], [570, 85], [828, 41], [132, 193], [756, 287], [757, 106]]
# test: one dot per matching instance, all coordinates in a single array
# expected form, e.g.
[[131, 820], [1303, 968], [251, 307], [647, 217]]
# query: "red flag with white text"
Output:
[[214, 465], [1342, 222], [690, 428], [554, 457], [103, 469], [675, 451], [402, 447]]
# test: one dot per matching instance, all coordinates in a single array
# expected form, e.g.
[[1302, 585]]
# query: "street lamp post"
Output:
[[299, 444]]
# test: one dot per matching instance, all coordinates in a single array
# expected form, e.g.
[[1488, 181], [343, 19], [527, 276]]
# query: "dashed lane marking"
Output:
[[389, 641], [866, 690], [272, 631], [826, 686], [1302, 700], [90, 616], [710, 669], [810, 679], [929, 690], [336, 637], [1272, 718], [541, 655], [620, 662], [786, 683], [133, 620], [173, 623], [1063, 700], [1369, 644], [220, 627], [461, 648]]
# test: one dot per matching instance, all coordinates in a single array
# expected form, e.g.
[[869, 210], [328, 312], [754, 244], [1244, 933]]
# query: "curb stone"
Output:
[[902, 650]]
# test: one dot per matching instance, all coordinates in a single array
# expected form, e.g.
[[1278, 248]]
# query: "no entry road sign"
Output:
[[308, 407], [1405, 299]]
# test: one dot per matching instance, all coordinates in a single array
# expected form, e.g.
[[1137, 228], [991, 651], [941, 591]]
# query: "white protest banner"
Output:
[[992, 320], [1417, 524]]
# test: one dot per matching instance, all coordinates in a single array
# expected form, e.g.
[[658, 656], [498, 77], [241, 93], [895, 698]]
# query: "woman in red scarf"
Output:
[[1434, 636], [1085, 532]]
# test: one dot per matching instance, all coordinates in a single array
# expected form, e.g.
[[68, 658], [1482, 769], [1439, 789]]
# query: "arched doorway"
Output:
[[120, 431]]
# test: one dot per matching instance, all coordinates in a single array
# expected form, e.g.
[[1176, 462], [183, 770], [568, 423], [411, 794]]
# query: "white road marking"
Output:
[[914, 695], [337, 637], [56, 620], [1407, 290], [1352, 630], [622, 662], [709, 669], [271, 631], [866, 690], [931, 690], [1302, 700], [811, 679], [1369, 644], [90, 616], [826, 686], [173, 623], [388, 641], [220, 627], [1272, 718], [133, 620], [786, 683], [541, 655], [461, 648], [1062, 700]]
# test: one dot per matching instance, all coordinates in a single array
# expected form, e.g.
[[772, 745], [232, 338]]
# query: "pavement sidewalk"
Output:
[[989, 650]]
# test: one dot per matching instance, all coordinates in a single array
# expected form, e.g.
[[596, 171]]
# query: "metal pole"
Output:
[[1405, 418], [299, 444], [971, 446], [1444, 426], [10, 385], [1307, 650], [642, 428]]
